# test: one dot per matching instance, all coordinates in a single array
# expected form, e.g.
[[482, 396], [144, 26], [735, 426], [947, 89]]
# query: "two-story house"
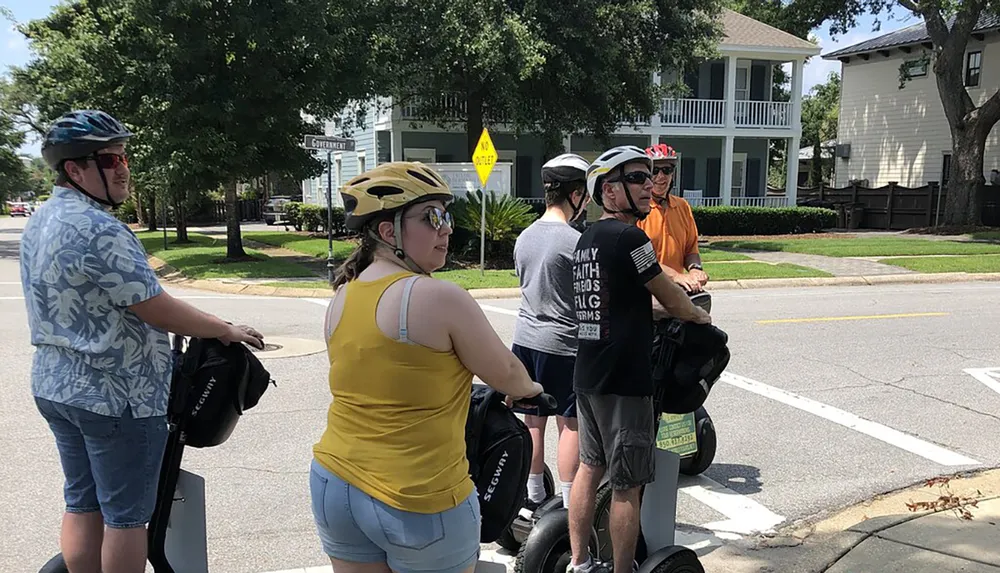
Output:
[[891, 133], [727, 119]]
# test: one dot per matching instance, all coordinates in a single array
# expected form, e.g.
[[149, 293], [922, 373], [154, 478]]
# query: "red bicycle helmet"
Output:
[[661, 151]]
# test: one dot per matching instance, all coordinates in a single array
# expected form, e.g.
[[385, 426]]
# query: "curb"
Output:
[[173, 276], [817, 543]]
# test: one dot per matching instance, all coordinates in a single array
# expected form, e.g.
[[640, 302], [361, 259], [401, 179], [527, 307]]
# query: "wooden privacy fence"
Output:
[[894, 207]]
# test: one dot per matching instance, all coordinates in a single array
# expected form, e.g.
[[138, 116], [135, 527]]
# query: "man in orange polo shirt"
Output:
[[670, 225]]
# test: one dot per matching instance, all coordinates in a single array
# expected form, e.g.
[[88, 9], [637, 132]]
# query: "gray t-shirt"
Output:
[[543, 259]]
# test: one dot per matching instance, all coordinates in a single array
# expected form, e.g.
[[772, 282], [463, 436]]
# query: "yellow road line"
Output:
[[838, 318]]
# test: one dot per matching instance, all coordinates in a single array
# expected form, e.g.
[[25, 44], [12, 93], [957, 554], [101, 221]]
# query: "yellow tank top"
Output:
[[396, 426]]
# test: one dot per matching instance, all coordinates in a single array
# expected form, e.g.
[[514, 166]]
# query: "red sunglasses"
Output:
[[110, 160]]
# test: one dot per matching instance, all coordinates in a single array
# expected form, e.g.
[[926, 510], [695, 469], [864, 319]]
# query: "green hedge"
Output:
[[312, 218], [762, 220]]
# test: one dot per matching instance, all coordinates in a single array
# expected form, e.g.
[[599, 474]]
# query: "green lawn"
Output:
[[986, 236], [709, 254], [741, 271], [969, 264], [314, 247], [864, 247], [465, 278], [203, 258]]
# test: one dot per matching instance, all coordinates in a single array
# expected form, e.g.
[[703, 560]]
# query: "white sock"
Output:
[[583, 567], [566, 487], [536, 487]]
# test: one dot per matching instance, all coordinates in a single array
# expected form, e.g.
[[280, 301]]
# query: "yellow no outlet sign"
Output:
[[484, 158]]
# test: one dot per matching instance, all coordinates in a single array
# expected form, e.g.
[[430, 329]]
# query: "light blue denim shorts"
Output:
[[355, 527], [111, 465]]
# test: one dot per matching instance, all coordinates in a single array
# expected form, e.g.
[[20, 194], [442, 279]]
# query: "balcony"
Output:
[[712, 113], [674, 112]]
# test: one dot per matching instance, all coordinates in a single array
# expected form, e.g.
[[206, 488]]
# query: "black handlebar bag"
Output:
[[498, 447], [688, 359], [218, 383]]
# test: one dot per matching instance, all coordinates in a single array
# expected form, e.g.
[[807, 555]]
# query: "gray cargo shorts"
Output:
[[618, 433]]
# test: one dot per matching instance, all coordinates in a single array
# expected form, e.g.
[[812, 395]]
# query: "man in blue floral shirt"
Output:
[[99, 321]]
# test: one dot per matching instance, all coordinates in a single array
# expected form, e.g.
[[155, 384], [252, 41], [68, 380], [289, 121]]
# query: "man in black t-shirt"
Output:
[[614, 273]]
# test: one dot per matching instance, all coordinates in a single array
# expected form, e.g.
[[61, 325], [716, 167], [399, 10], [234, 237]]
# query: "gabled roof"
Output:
[[915, 34], [744, 31]]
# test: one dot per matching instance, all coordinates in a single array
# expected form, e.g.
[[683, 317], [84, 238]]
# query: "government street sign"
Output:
[[325, 143]]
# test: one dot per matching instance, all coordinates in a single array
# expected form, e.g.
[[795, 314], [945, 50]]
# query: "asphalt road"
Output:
[[816, 411]]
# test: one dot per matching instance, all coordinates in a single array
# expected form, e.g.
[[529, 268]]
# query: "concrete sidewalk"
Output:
[[943, 525]]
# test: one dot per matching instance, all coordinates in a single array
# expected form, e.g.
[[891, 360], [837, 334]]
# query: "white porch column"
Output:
[[730, 92], [792, 180], [794, 142], [567, 142], [397, 142], [726, 171], [797, 96]]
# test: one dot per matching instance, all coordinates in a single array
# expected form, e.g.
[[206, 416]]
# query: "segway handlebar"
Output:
[[546, 404]]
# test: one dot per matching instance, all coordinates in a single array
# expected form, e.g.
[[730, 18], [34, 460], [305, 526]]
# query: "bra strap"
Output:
[[404, 306]]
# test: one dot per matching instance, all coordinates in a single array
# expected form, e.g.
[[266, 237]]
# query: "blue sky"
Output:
[[14, 51]]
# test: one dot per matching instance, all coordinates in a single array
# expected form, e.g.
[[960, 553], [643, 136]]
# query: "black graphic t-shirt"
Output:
[[614, 310]]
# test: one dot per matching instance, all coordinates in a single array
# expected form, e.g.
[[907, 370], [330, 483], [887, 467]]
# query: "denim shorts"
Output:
[[355, 527], [111, 465]]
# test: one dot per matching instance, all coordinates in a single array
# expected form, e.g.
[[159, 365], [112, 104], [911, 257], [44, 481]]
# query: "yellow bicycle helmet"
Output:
[[390, 187], [386, 190]]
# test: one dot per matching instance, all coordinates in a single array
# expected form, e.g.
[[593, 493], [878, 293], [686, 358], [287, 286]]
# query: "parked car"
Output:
[[274, 210], [18, 209]]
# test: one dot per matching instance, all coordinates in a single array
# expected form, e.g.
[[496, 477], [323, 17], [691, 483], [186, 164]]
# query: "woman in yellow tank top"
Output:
[[390, 480]]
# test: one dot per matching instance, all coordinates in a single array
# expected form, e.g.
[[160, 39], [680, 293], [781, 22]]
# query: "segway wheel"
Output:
[[55, 565], [672, 560], [547, 548], [705, 434], [602, 526], [507, 539]]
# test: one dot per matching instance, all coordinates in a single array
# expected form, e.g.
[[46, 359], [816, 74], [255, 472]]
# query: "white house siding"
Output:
[[365, 145], [902, 135]]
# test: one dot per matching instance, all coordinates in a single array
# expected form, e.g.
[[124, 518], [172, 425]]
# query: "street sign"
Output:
[[325, 143], [485, 157]]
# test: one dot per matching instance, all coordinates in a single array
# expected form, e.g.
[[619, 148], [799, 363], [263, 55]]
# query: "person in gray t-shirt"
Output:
[[545, 331]]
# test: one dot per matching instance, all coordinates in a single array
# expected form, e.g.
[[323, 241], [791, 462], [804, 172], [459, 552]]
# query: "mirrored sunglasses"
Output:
[[634, 177], [110, 160], [436, 218]]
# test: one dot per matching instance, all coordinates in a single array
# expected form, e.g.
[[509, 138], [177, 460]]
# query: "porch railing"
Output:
[[763, 113], [769, 201], [674, 112], [693, 112]]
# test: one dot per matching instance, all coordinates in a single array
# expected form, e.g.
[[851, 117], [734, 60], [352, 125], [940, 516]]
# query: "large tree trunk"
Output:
[[969, 125], [234, 240], [474, 123], [965, 179], [152, 222], [180, 213]]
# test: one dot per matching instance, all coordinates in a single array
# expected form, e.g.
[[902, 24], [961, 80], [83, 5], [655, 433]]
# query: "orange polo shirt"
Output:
[[672, 231]]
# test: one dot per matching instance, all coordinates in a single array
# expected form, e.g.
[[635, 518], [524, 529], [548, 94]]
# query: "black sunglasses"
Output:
[[633, 177], [666, 170]]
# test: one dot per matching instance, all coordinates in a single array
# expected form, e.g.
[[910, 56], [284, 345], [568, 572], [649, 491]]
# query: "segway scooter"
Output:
[[201, 413], [696, 463], [681, 385]]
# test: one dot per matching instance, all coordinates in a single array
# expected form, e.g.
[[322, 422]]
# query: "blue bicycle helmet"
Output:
[[81, 134]]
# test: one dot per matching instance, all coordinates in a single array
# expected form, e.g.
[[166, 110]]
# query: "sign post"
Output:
[[329, 144], [485, 157]]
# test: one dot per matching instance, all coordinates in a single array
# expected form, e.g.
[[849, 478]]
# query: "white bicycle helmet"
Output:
[[615, 158], [566, 168], [563, 169]]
